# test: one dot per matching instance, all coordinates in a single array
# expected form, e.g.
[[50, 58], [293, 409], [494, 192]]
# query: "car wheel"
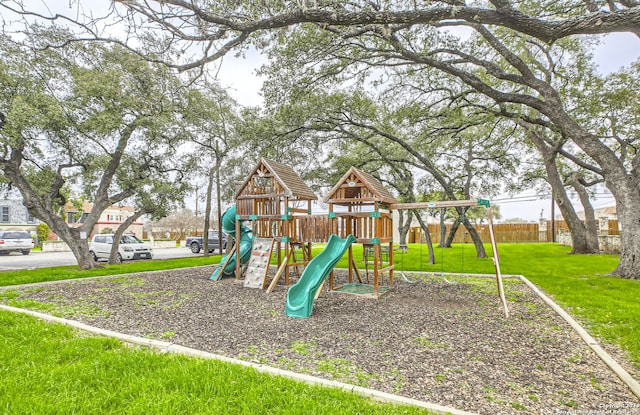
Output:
[[26, 252], [93, 255], [195, 247], [118, 259]]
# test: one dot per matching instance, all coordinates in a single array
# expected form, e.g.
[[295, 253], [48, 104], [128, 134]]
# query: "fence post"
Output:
[[603, 225], [542, 230]]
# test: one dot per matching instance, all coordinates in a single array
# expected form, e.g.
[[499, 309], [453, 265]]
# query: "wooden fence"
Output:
[[507, 232], [316, 229]]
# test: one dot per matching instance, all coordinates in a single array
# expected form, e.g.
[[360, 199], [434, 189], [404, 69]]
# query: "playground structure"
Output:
[[277, 204], [272, 199], [359, 205], [229, 262]]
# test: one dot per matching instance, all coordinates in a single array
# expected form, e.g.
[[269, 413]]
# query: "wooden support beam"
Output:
[[260, 217], [262, 196], [298, 210], [367, 241], [276, 277], [224, 264], [435, 205], [387, 269], [354, 202], [356, 270], [317, 294], [352, 214], [266, 270]]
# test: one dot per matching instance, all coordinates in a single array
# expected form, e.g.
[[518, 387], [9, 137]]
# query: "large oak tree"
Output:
[[86, 121], [199, 32]]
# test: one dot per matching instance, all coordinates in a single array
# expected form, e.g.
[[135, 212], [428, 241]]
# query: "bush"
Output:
[[43, 233]]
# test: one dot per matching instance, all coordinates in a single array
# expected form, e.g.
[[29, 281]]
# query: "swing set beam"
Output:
[[440, 204], [466, 203]]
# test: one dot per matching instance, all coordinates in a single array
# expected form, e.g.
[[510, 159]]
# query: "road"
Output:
[[37, 259]]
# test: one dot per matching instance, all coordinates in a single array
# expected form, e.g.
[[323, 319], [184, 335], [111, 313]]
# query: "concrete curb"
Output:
[[45, 283], [615, 367], [624, 376], [167, 347]]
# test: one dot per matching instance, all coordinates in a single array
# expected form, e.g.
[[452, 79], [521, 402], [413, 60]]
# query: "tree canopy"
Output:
[[86, 122]]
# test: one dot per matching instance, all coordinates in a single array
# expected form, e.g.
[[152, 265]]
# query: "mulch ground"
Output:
[[441, 340]]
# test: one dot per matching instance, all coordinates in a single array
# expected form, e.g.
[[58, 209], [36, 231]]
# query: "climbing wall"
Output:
[[257, 268]]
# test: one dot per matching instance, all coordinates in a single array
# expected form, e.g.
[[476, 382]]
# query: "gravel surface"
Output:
[[444, 341]]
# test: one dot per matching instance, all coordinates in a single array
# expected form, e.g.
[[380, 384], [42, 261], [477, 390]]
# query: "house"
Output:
[[608, 212], [109, 220], [15, 217]]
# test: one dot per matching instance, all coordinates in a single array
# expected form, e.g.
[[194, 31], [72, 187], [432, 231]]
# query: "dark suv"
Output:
[[16, 241], [195, 242]]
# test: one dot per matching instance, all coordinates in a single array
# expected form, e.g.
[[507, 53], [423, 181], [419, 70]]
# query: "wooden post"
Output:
[[332, 221], [496, 263], [238, 259], [376, 250], [349, 230]]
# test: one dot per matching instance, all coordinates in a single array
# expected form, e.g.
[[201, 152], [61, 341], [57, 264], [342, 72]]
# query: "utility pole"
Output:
[[196, 202]]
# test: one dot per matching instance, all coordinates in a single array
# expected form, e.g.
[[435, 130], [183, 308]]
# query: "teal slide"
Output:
[[246, 245], [301, 295]]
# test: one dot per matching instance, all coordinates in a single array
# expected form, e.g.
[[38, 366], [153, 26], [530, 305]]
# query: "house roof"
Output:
[[286, 177], [350, 188]]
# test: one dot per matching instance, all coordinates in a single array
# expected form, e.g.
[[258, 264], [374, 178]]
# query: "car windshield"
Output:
[[15, 235], [130, 239]]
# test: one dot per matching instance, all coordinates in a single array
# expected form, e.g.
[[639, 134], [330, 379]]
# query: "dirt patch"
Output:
[[442, 341]]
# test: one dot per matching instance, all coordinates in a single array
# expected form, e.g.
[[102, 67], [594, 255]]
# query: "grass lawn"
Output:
[[52, 369], [71, 272]]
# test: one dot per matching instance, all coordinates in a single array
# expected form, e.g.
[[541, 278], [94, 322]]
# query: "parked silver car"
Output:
[[16, 241], [130, 247]]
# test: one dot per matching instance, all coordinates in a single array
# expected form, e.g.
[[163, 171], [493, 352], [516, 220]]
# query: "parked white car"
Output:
[[129, 248], [15, 241]]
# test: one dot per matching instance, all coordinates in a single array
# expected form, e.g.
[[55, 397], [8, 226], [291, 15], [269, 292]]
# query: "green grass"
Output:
[[73, 272], [53, 369], [57, 370]]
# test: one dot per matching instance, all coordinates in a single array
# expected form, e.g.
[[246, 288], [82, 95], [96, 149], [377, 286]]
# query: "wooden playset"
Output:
[[360, 205], [277, 203], [272, 199]]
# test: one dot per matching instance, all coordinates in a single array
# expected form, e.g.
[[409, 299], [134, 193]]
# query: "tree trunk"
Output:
[[477, 241], [629, 265], [443, 228], [452, 233], [219, 198], [427, 235], [404, 225], [117, 236], [207, 215], [591, 228], [579, 242], [621, 182], [79, 247]]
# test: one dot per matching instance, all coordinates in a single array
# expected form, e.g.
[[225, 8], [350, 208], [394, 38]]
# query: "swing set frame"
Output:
[[467, 203]]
